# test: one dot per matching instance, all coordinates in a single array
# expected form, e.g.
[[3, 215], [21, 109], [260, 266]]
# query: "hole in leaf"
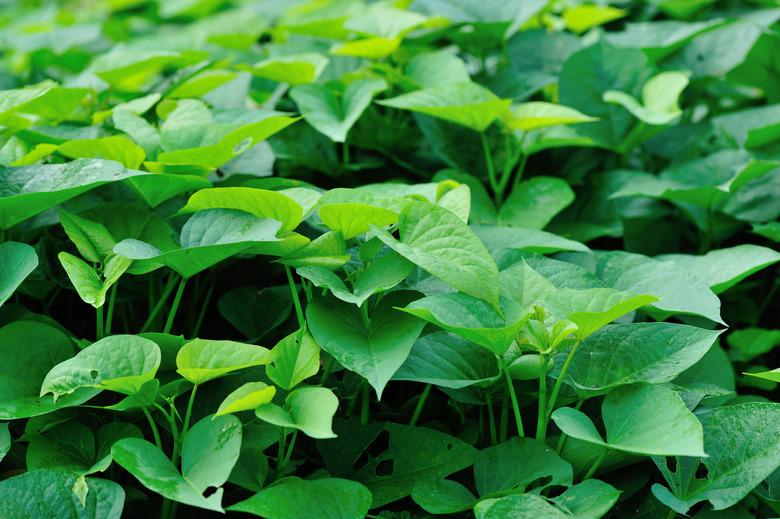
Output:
[[701, 471], [384, 468], [94, 374], [209, 491], [671, 464], [539, 482]]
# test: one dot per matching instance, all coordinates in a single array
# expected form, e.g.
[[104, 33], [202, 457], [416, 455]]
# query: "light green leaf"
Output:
[[660, 98], [437, 241], [748, 343], [90, 287], [465, 103], [593, 308], [539, 114], [332, 109], [201, 360], [5, 440], [640, 352], [118, 148], [292, 498], [93, 241], [581, 17], [723, 268], [354, 219], [67, 496], [498, 239], [371, 48], [294, 359], [640, 419], [295, 69], [260, 202], [17, 261], [534, 202], [121, 363], [327, 250], [375, 347], [246, 398], [308, 409], [473, 319]]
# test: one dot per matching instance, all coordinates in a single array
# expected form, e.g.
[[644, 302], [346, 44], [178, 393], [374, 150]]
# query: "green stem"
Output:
[[153, 427], [175, 306], [559, 381], [165, 509], [296, 300], [513, 396], [420, 404], [345, 155], [186, 424], [290, 447], [281, 450], [491, 418], [509, 167], [671, 515], [489, 166], [203, 306], [110, 316], [596, 465], [326, 370], [99, 323], [364, 404], [541, 416], [504, 423], [160, 303], [364, 314]]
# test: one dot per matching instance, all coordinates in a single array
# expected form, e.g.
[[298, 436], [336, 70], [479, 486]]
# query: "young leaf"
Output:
[[374, 348], [354, 219], [437, 241], [121, 363], [246, 398], [660, 96], [533, 203], [294, 359], [640, 419], [538, 114], [17, 261], [201, 360], [308, 409], [93, 241], [295, 69], [118, 148]]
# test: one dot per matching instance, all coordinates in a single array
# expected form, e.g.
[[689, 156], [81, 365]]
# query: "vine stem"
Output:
[[596, 464], [296, 300], [559, 382], [364, 404], [420, 404], [203, 306], [489, 165], [175, 305], [491, 418], [185, 425], [153, 427], [99, 323], [290, 447], [110, 316], [562, 439], [513, 396], [671, 515], [160, 302], [541, 415]]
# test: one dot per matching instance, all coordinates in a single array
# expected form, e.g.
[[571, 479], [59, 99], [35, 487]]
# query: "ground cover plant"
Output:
[[394, 259]]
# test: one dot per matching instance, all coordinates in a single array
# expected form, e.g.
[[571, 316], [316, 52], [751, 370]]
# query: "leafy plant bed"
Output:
[[344, 259]]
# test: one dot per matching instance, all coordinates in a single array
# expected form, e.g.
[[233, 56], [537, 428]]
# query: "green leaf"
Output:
[[68, 496], [580, 18], [743, 444], [209, 451], [465, 103], [332, 109], [295, 69], [121, 363], [17, 261], [371, 48], [748, 343], [640, 419], [118, 148], [31, 190], [623, 354], [256, 312], [28, 350], [291, 498], [679, 292], [523, 506], [208, 237], [201, 360], [354, 219], [498, 239], [294, 359], [308, 409], [769, 230], [260, 202], [534, 202], [446, 360], [660, 98], [92, 239], [473, 319], [5, 440], [593, 308], [437, 241], [435, 455], [442, 496], [374, 348], [723, 268], [495, 468], [538, 114], [327, 251], [246, 398], [90, 287]]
